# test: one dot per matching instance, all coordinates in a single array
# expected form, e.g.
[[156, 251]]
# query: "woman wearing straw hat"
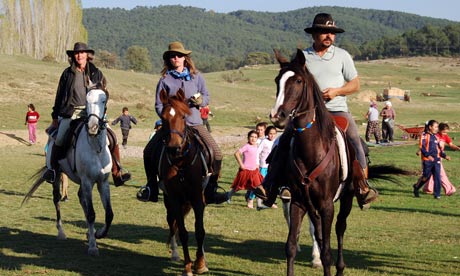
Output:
[[179, 72]]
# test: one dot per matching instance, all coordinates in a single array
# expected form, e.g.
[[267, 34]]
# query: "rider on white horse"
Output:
[[70, 104]]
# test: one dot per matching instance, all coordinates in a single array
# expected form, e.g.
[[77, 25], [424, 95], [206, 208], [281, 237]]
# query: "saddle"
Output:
[[205, 155], [342, 146]]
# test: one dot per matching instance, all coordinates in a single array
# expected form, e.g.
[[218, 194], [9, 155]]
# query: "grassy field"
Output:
[[399, 235]]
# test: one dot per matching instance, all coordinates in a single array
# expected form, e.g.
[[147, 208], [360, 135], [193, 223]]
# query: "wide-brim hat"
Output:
[[323, 22], [79, 47], [175, 47]]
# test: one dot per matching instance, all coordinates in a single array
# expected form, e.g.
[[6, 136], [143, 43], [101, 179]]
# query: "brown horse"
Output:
[[314, 168], [181, 170]]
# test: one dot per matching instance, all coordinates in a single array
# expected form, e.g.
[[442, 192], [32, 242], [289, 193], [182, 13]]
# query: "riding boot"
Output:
[[210, 193], [150, 191], [365, 194], [119, 178], [57, 153]]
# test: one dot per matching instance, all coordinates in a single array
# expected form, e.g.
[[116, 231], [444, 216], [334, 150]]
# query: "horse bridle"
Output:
[[101, 122], [294, 114], [183, 135]]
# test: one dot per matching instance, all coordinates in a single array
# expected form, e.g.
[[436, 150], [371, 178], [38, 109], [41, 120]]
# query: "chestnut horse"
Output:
[[183, 173], [314, 167]]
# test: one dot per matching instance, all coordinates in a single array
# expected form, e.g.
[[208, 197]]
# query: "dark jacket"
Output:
[[125, 121], [62, 106]]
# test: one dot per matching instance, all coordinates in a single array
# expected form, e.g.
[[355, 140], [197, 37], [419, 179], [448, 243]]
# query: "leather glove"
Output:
[[196, 100]]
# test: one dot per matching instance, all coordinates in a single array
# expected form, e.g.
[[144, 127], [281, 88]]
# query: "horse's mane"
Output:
[[324, 119]]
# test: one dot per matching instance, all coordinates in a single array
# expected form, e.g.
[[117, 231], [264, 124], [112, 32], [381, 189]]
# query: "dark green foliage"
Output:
[[223, 41], [138, 59]]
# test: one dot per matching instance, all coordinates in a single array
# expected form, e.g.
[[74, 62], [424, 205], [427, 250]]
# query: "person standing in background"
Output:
[[388, 122], [205, 113], [32, 117], [372, 117], [125, 120]]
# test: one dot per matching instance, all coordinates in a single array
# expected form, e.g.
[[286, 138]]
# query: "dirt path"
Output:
[[228, 138]]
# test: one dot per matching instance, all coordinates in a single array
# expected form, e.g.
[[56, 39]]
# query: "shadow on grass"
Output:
[[19, 139], [21, 248]]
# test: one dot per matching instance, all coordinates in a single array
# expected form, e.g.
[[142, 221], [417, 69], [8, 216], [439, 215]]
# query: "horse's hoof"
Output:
[[100, 234], [61, 236], [185, 273], [93, 251], [175, 258], [201, 270], [317, 265]]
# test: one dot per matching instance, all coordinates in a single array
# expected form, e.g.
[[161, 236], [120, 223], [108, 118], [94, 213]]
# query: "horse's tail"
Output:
[[386, 172], [38, 180]]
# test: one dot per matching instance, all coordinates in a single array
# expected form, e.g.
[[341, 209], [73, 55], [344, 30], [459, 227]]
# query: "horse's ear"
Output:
[[281, 59], [180, 95], [299, 58], [163, 96]]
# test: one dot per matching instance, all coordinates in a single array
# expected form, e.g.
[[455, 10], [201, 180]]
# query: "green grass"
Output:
[[399, 235]]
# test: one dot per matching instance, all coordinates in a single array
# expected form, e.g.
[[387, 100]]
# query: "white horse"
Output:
[[315, 253], [87, 162]]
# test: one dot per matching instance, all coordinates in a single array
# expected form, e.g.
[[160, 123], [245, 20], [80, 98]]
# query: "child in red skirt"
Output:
[[248, 176]]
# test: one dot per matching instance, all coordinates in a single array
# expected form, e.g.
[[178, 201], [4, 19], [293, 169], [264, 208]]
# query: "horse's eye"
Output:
[[298, 81]]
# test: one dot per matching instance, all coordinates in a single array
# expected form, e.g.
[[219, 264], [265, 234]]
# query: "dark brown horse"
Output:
[[181, 170], [314, 170]]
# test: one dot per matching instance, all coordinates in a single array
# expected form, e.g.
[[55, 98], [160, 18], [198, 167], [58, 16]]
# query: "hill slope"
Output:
[[217, 37]]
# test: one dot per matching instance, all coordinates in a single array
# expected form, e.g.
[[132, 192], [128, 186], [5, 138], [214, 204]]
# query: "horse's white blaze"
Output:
[[95, 104], [172, 112], [280, 98]]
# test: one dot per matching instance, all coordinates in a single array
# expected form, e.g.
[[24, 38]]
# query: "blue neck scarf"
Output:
[[185, 75]]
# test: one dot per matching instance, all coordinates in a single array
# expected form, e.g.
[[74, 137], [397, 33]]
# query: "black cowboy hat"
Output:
[[79, 47], [176, 47], [323, 22]]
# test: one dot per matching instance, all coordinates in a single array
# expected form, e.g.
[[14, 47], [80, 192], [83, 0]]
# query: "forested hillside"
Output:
[[223, 40]]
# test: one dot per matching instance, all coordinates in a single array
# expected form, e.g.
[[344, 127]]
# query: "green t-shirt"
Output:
[[332, 70]]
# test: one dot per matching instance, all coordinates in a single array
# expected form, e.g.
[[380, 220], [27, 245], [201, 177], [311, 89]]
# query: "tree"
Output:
[[107, 59], [138, 59], [256, 58], [40, 28]]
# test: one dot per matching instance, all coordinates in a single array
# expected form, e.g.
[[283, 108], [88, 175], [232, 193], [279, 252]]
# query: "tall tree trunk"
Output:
[[40, 28]]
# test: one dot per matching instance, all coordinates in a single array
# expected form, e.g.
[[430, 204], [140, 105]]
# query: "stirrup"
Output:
[[49, 176], [260, 192], [364, 200], [285, 193], [143, 194], [125, 176]]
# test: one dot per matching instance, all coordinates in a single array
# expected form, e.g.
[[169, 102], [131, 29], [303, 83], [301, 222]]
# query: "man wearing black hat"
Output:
[[336, 75], [70, 104]]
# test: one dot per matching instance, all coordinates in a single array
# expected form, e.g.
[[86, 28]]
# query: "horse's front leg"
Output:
[[104, 191], [173, 236], [296, 217], [326, 213], [315, 252], [56, 198], [86, 202], [200, 265], [177, 211], [346, 202]]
